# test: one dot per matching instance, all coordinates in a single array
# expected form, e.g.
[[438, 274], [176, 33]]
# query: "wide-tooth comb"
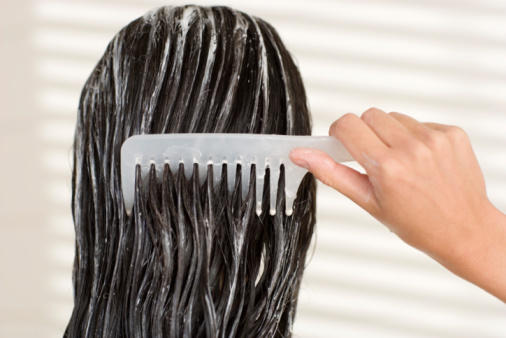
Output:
[[265, 151]]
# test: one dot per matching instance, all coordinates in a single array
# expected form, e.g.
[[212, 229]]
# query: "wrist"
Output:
[[480, 258]]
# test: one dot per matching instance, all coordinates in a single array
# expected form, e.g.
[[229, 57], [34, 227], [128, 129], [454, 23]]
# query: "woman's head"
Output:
[[191, 260]]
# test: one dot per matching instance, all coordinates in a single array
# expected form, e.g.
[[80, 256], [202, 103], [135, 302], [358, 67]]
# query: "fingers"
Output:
[[358, 138], [347, 181], [440, 127], [431, 133], [388, 129], [419, 128], [412, 125]]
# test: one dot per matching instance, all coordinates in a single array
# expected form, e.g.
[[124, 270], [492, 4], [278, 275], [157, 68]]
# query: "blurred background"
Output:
[[437, 60]]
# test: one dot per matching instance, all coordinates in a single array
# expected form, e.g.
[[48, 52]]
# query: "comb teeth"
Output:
[[265, 151]]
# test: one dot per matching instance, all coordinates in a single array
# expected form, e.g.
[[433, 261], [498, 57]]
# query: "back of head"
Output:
[[192, 260]]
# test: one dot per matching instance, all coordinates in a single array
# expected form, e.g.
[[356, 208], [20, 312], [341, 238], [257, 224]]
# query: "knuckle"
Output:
[[370, 114], [347, 118], [342, 122], [328, 179], [390, 169], [421, 151], [456, 134], [325, 172], [373, 110], [437, 140], [325, 179]]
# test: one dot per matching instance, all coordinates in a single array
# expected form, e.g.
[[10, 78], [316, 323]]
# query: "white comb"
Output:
[[265, 151]]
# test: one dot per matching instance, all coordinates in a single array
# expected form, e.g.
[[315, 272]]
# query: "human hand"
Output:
[[422, 181]]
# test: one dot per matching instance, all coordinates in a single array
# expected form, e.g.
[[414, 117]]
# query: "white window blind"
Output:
[[442, 61]]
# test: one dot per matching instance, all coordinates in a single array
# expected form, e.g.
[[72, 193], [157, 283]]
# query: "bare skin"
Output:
[[424, 183]]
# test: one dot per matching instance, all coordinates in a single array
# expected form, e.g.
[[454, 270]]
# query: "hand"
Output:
[[424, 183]]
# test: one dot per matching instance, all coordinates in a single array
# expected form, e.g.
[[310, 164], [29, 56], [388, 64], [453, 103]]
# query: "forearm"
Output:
[[481, 259]]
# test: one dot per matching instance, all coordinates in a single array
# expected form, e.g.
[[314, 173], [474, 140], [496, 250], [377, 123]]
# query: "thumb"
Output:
[[349, 182]]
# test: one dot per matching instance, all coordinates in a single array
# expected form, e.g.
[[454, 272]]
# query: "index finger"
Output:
[[358, 138]]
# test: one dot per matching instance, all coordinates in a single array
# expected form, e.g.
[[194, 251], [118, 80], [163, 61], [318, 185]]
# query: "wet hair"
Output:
[[191, 260]]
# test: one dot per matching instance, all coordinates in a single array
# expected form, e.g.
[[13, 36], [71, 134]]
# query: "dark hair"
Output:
[[191, 260]]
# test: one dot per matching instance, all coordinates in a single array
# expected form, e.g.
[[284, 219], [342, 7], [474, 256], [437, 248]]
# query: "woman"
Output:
[[191, 260]]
